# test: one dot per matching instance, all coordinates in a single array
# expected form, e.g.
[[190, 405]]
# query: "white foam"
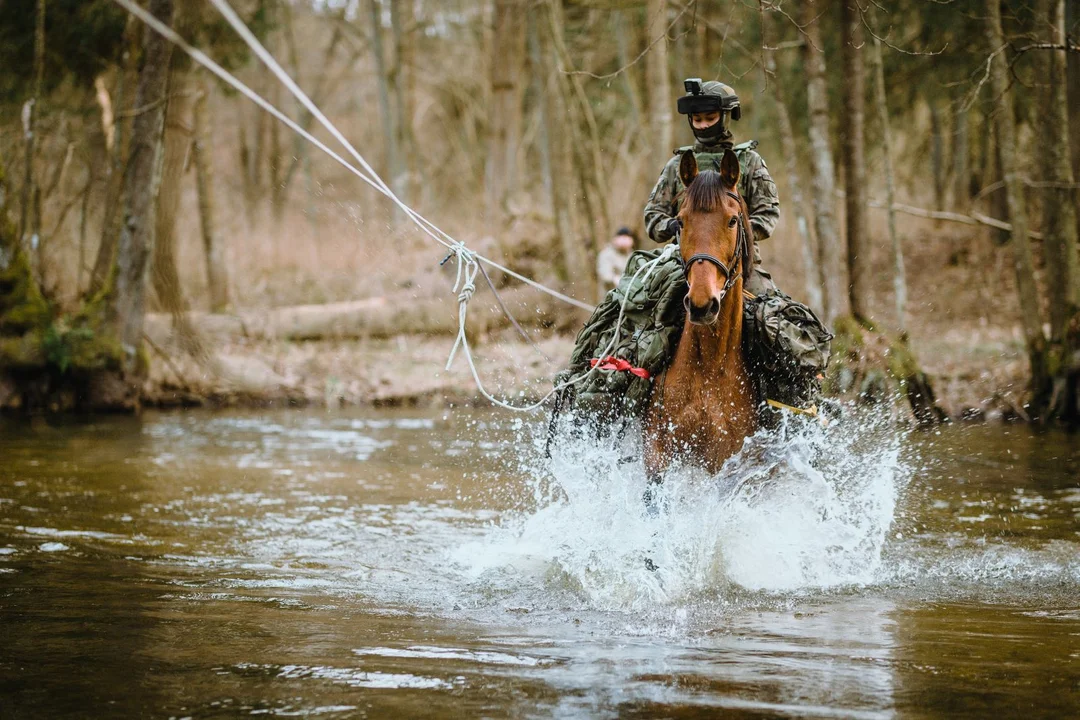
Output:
[[800, 508]]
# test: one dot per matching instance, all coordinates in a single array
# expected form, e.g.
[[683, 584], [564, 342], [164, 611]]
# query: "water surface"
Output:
[[369, 564]]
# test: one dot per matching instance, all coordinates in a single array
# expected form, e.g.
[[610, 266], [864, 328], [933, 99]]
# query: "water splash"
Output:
[[798, 509]]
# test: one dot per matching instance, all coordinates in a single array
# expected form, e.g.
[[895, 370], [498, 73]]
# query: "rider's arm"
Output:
[[761, 198], [660, 211]]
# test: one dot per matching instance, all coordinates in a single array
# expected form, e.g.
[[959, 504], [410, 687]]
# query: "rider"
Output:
[[708, 106]]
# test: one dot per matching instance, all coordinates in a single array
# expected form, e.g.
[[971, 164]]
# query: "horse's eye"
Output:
[[733, 222]]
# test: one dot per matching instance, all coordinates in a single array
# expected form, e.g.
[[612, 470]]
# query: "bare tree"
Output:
[[813, 278], [937, 155], [858, 242], [506, 88], [394, 165], [1005, 123], [821, 161], [658, 79], [126, 82], [402, 76], [141, 178], [1059, 219], [175, 144], [899, 275], [960, 164], [30, 210], [217, 270]]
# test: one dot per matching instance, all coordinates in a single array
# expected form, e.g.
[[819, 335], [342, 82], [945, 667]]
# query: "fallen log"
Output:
[[377, 317]]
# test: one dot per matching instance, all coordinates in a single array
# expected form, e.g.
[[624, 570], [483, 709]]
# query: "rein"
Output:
[[727, 269]]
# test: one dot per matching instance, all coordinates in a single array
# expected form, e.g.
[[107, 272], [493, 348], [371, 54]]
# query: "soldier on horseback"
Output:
[[708, 107], [633, 334]]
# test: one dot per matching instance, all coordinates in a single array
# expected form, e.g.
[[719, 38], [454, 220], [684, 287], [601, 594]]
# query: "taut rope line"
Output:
[[423, 223], [468, 260]]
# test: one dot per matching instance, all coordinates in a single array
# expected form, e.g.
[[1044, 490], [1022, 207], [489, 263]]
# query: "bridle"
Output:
[[728, 270]]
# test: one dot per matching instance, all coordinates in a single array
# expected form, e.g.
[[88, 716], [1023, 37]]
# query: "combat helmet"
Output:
[[711, 96]]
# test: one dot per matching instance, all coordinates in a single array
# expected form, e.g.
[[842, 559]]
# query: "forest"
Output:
[[163, 240]]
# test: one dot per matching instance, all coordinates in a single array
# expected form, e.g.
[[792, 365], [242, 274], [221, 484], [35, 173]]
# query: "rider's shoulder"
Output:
[[748, 154]]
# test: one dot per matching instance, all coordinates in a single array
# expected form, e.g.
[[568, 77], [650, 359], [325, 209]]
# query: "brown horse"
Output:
[[703, 405]]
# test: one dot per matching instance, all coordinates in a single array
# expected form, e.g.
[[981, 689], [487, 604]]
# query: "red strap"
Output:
[[613, 363]]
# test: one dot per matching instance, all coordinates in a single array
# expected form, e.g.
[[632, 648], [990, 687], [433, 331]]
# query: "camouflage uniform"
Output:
[[755, 185]]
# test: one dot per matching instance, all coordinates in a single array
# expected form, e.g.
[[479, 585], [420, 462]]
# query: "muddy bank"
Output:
[[402, 370], [977, 372]]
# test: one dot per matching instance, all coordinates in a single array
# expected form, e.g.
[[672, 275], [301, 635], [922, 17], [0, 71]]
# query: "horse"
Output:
[[703, 405]]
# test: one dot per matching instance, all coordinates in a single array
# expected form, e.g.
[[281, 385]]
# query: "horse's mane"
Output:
[[705, 195]]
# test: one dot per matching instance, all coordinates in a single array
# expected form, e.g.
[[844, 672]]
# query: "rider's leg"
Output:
[[760, 280]]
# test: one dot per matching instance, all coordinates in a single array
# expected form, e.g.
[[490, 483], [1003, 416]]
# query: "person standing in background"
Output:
[[611, 262]]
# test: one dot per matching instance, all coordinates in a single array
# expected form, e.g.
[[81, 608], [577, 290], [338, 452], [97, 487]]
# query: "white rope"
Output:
[[466, 273], [467, 260], [423, 223]]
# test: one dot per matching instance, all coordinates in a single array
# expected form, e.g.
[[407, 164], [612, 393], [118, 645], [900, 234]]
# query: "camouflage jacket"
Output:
[[755, 185]]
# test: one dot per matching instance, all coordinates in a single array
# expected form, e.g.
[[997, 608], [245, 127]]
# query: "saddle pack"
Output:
[[786, 345]]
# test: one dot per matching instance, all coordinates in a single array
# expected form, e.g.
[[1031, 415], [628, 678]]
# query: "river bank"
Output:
[[977, 371]]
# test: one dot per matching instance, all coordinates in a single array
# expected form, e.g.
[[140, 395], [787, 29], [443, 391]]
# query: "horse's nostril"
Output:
[[686, 302], [714, 307]]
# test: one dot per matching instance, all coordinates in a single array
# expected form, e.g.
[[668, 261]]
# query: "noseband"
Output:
[[728, 270]]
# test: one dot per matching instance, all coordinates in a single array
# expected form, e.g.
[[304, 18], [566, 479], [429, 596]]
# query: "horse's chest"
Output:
[[712, 414]]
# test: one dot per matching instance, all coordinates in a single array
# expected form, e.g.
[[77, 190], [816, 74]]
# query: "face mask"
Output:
[[715, 133]]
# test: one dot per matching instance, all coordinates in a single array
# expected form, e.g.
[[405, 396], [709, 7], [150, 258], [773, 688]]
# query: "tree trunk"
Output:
[[403, 26], [798, 202], [392, 166], [30, 210], [110, 224], [899, 275], [961, 172], [541, 86], [585, 159], [821, 161], [937, 156], [217, 269], [622, 28], [576, 262], [858, 242], [1005, 123], [174, 152], [322, 86], [136, 241], [658, 80], [1059, 221], [507, 53]]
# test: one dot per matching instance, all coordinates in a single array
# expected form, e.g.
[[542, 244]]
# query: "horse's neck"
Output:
[[717, 349]]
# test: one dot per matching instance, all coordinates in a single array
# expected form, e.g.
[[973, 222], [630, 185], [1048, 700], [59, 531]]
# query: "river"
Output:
[[435, 564]]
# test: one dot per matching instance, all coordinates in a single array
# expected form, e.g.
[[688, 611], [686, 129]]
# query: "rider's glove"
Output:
[[672, 227]]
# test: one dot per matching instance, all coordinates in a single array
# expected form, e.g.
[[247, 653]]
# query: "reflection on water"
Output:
[[367, 564]]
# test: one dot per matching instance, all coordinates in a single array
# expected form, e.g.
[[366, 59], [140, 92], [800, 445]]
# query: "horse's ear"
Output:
[[729, 169], [688, 168]]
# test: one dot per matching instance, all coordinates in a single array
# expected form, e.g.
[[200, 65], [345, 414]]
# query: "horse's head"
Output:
[[715, 240]]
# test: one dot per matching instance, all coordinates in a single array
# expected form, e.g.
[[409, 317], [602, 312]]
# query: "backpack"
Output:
[[787, 347], [652, 323]]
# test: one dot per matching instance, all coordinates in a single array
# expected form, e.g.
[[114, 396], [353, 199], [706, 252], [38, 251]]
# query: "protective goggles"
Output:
[[690, 104]]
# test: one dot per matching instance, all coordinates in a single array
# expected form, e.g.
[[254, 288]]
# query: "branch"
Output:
[[664, 36], [974, 218], [1067, 46], [883, 41]]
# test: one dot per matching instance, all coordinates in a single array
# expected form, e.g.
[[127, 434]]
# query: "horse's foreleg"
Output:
[[656, 462]]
